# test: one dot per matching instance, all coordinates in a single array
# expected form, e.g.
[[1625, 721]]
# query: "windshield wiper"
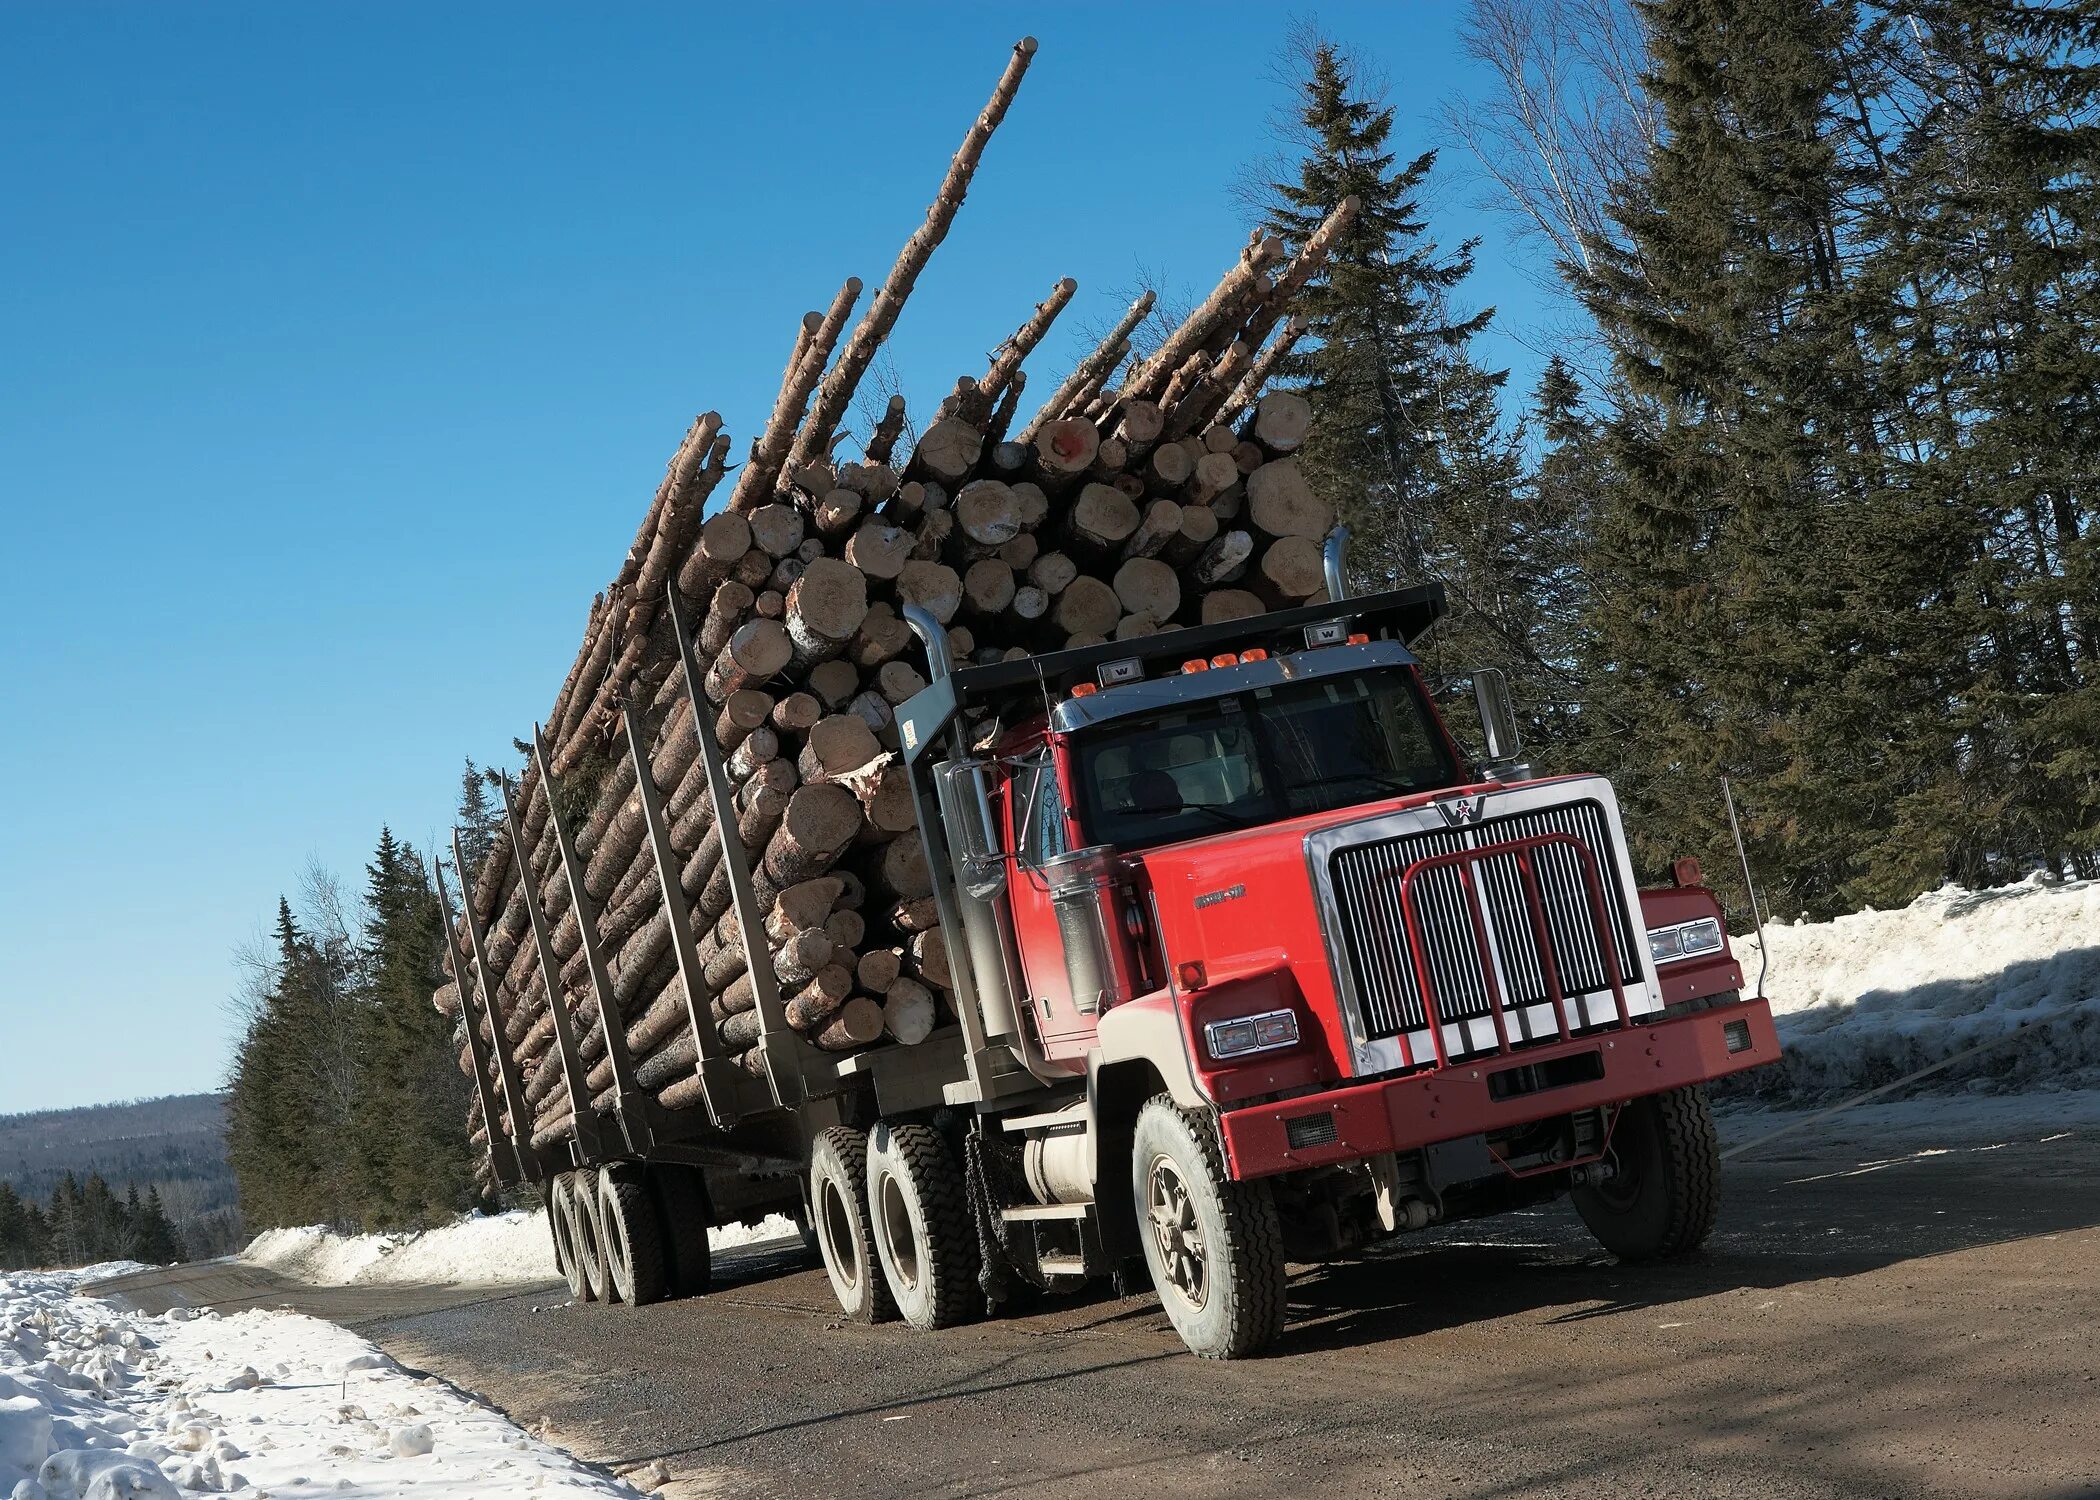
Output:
[[1384, 781]]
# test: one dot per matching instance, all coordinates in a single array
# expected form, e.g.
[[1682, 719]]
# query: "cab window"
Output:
[[1039, 811]]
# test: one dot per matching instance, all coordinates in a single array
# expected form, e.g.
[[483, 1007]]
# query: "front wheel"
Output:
[[1665, 1186], [1213, 1245]]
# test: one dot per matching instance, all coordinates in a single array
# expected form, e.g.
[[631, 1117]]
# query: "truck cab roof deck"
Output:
[[1397, 615]]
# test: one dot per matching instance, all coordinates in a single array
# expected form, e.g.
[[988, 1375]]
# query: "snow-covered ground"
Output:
[[1868, 998], [101, 1404], [492, 1248]]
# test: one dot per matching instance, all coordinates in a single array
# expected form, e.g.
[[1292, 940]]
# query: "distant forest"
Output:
[[67, 1178]]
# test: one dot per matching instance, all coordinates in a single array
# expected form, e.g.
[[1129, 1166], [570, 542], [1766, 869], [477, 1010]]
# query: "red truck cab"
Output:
[[1280, 969]]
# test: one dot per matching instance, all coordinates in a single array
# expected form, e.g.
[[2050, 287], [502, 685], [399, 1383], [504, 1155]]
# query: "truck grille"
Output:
[[1366, 883]]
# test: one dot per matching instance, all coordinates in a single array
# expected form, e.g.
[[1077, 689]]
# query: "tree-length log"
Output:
[[836, 392], [1092, 370]]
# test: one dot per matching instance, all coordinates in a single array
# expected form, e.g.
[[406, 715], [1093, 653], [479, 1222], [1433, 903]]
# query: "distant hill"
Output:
[[177, 1144]]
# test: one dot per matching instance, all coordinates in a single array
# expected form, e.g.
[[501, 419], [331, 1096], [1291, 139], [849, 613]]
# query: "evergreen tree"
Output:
[[157, 1242], [479, 819], [67, 1240], [16, 1249], [412, 1150], [1756, 567], [1378, 364], [1999, 220]]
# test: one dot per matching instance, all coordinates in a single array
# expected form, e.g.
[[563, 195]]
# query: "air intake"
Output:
[[1310, 1130]]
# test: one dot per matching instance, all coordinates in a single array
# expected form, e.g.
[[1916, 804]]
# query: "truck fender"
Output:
[[1147, 1029], [1140, 1053]]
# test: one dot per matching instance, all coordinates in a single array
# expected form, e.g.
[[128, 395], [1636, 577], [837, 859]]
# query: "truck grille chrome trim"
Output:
[[1359, 868]]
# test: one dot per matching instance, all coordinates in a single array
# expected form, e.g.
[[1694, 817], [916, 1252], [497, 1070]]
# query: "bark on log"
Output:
[[837, 391], [883, 441], [1092, 370], [776, 448]]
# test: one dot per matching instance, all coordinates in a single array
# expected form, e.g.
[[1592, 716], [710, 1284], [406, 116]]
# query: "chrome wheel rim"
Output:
[[1177, 1236]]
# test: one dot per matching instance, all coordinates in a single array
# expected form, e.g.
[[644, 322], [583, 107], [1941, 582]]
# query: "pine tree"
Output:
[[2000, 240], [158, 1242], [1757, 565], [1378, 364], [416, 1166], [68, 1235], [479, 819], [15, 1247]]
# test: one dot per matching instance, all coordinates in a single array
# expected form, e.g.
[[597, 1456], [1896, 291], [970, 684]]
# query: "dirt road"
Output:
[[1868, 1322]]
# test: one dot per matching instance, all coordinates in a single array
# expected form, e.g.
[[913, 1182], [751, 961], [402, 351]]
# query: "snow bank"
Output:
[[100, 1404], [478, 1249], [1865, 999]]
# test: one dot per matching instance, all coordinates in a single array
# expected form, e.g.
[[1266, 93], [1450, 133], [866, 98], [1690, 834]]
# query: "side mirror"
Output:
[[1498, 720]]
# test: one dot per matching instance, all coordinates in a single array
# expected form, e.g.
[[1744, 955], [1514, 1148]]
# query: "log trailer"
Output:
[[1253, 964]]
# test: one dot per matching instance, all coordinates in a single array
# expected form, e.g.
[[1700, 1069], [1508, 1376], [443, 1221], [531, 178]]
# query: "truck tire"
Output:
[[587, 1236], [1213, 1245], [557, 1229], [684, 1216], [838, 1189], [561, 1210], [1662, 1199], [632, 1242], [923, 1232]]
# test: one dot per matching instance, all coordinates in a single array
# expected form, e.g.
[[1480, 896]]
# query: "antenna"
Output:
[[1764, 954]]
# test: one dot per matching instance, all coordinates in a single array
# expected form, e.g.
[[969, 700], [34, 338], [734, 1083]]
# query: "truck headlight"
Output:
[[1669, 945], [1270, 1031]]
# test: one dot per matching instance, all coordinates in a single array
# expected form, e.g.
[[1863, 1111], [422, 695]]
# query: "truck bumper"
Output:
[[1497, 1091]]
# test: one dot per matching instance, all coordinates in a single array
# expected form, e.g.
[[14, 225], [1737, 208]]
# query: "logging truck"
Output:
[[1251, 964]]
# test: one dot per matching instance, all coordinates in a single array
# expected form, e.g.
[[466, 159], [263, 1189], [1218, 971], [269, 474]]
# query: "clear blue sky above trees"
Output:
[[345, 345]]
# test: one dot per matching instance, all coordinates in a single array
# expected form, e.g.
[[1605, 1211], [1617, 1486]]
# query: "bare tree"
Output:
[[1565, 126]]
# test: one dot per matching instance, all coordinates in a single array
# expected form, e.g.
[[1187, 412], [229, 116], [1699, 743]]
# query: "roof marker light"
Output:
[[1225, 659], [1359, 639], [1253, 653], [1084, 690], [1197, 664]]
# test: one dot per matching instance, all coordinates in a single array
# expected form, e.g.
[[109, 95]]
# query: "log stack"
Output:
[[1167, 497]]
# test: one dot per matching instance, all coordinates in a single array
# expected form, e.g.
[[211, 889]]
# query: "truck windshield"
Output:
[[1257, 757]]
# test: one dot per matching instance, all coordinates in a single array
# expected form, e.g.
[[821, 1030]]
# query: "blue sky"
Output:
[[343, 347]]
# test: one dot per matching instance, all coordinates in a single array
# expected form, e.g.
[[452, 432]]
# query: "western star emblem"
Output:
[[1461, 810], [1212, 898]]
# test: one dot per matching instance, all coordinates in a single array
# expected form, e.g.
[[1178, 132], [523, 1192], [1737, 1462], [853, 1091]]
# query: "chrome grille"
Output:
[[1366, 884]]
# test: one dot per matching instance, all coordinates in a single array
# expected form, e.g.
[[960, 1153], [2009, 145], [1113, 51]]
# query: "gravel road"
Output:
[[1871, 1319]]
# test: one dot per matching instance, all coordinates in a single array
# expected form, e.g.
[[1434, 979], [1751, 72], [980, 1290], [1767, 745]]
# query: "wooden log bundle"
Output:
[[1172, 498]]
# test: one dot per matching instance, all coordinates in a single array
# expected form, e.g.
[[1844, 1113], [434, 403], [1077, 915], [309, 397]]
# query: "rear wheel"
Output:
[[685, 1217], [557, 1222], [1665, 1187], [586, 1238], [1213, 1245], [632, 1243], [838, 1194], [566, 1214], [923, 1233]]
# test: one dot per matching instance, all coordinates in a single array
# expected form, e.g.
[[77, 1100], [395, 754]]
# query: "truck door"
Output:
[[1036, 830]]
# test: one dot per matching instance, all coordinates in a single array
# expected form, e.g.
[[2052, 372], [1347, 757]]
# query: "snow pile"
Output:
[[99, 1404], [491, 1249], [479, 1248], [1866, 999]]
